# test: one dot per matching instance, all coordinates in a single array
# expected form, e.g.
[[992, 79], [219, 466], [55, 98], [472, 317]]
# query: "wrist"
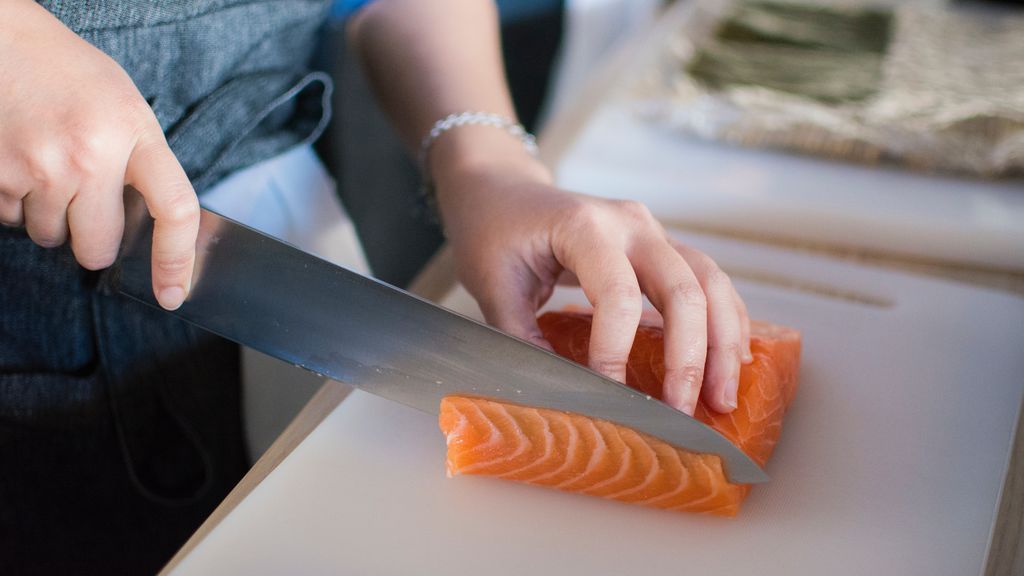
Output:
[[473, 152]]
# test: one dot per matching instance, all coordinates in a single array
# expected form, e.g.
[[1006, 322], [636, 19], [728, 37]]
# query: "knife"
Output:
[[266, 294]]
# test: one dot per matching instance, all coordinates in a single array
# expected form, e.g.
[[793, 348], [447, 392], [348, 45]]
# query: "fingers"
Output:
[[96, 222], [724, 331], [12, 213], [514, 316], [675, 291], [611, 285], [508, 306], [616, 249], [156, 174], [46, 217], [741, 308]]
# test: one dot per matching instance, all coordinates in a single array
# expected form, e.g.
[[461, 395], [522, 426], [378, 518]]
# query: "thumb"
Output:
[[513, 312]]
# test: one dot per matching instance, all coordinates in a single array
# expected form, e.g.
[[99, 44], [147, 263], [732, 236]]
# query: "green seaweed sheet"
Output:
[[831, 55]]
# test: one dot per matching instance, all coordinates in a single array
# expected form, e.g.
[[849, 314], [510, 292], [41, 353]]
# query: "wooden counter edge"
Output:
[[1006, 548], [312, 414]]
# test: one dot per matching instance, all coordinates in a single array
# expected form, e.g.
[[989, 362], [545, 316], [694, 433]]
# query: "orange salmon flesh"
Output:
[[590, 456]]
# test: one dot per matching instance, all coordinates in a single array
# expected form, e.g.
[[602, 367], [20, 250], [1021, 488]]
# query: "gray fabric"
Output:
[[213, 69], [120, 426]]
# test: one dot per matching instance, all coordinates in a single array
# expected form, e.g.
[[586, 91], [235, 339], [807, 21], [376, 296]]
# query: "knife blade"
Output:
[[266, 294]]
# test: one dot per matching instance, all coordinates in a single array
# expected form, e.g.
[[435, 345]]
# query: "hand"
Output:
[[74, 132], [514, 234]]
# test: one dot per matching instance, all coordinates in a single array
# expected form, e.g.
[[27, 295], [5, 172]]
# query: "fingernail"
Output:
[[747, 356], [171, 298], [730, 393]]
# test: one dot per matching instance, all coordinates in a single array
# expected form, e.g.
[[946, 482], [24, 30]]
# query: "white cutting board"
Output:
[[890, 462]]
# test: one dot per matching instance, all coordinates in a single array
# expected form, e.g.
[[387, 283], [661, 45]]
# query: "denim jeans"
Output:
[[120, 426]]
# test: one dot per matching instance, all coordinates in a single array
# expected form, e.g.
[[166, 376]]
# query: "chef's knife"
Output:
[[268, 295]]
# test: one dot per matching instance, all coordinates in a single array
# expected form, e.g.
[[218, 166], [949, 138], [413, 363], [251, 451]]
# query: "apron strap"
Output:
[[207, 154]]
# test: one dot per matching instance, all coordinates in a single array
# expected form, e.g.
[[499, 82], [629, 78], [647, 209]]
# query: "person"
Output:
[[119, 425]]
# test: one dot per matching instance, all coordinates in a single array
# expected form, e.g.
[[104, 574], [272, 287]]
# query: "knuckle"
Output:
[[145, 127], [182, 205], [172, 264], [586, 215], [688, 294], [132, 108], [46, 165], [623, 298], [138, 111], [90, 149], [730, 348], [634, 209], [690, 376], [609, 365], [717, 281], [622, 291]]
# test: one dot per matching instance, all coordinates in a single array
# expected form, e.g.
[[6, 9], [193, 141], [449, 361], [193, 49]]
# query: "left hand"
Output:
[[514, 234]]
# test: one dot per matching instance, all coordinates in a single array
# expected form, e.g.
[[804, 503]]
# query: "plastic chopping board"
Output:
[[890, 462]]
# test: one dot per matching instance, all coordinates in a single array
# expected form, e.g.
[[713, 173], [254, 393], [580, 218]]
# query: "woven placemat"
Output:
[[933, 86]]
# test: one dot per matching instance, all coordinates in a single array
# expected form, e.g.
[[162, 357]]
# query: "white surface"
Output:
[[686, 181], [890, 462], [593, 30], [291, 197]]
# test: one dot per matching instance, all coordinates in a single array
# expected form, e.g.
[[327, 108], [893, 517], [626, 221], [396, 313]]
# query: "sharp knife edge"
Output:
[[275, 298]]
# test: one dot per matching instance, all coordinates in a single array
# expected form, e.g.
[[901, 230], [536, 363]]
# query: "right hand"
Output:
[[74, 131]]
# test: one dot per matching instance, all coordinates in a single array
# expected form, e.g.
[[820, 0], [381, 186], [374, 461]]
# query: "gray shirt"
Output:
[[122, 422], [229, 80]]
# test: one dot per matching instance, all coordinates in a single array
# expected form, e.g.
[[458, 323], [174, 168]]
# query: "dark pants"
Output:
[[120, 428]]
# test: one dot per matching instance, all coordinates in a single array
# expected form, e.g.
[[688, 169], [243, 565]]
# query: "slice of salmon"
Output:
[[591, 456]]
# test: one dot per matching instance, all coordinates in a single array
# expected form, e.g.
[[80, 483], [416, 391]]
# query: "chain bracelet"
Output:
[[456, 120]]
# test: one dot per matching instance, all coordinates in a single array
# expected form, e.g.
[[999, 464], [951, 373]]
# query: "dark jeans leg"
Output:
[[120, 426]]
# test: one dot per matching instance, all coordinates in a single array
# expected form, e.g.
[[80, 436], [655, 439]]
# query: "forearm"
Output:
[[513, 233], [426, 60]]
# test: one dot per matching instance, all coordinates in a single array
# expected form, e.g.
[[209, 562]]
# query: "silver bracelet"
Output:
[[465, 119]]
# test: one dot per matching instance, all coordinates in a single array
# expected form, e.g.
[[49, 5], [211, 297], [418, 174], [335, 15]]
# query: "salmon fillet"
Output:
[[577, 453]]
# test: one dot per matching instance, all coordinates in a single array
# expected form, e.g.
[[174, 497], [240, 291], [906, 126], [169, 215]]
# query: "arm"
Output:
[[514, 233], [74, 131]]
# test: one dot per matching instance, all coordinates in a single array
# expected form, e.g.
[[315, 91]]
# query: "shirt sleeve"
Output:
[[342, 9]]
